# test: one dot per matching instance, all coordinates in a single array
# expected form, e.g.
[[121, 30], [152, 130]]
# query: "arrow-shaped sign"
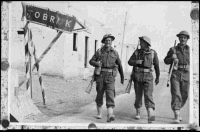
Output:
[[50, 18]]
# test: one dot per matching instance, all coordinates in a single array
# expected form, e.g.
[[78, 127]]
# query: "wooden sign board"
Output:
[[50, 18]]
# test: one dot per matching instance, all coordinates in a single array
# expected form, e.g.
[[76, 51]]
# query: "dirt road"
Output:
[[67, 102]]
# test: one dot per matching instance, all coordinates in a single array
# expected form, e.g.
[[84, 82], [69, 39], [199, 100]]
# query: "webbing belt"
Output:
[[138, 69], [183, 66], [106, 70]]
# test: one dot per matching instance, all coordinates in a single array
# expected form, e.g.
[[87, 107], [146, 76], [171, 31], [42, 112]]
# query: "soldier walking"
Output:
[[142, 61], [180, 78], [106, 59]]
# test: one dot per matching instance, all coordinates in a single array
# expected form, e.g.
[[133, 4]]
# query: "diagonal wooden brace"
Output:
[[47, 49], [43, 54]]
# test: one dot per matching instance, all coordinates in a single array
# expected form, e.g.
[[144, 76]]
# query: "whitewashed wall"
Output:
[[61, 60]]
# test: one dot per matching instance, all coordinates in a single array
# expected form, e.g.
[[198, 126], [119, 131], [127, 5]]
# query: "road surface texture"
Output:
[[67, 102]]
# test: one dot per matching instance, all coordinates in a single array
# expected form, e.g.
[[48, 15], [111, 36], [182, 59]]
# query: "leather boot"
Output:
[[110, 116], [99, 113], [180, 118], [137, 117], [177, 116], [151, 116]]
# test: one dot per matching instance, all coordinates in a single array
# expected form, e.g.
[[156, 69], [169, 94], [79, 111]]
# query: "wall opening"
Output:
[[95, 46], [86, 52], [75, 41]]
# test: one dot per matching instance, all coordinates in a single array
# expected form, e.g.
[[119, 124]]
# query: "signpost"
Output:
[[49, 18]]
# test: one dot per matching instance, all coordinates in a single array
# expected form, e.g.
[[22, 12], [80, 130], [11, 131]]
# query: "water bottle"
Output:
[[97, 70], [175, 65]]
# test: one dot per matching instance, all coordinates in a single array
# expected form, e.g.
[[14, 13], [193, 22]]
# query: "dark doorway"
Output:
[[95, 46], [86, 51], [75, 42]]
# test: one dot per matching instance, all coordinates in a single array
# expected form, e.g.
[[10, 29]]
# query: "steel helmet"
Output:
[[107, 36], [146, 39], [183, 33]]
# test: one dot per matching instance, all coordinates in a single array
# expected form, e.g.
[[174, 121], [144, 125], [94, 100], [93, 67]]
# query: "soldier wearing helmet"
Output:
[[108, 59], [142, 61], [180, 79]]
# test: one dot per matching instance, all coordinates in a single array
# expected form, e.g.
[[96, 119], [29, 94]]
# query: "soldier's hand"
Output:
[[174, 56], [122, 81], [99, 63], [156, 81], [176, 61], [139, 61]]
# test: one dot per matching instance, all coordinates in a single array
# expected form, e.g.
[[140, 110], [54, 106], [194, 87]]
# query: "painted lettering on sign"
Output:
[[50, 18]]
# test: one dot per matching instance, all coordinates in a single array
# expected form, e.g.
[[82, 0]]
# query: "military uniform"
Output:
[[143, 78], [105, 82], [180, 78], [143, 81]]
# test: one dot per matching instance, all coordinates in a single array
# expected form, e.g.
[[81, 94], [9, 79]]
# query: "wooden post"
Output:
[[30, 47], [31, 80]]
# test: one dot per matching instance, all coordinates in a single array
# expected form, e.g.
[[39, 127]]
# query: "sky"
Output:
[[160, 21]]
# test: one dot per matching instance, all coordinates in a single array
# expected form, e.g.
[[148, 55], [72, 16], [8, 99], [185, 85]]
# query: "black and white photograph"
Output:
[[100, 65]]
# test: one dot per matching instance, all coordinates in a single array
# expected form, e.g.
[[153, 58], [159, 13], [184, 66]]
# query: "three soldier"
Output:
[[143, 60]]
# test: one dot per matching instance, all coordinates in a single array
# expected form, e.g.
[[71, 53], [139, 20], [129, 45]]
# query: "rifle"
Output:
[[128, 88], [172, 67], [89, 88], [97, 71]]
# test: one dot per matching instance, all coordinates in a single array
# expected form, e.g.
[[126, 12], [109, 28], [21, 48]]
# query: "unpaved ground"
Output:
[[63, 95], [124, 109], [81, 108]]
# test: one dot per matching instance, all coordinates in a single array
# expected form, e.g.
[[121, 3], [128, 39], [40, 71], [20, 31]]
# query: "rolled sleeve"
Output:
[[93, 60], [132, 60], [168, 59]]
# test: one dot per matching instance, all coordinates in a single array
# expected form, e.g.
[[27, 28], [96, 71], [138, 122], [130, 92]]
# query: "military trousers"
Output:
[[105, 82], [179, 89], [146, 88]]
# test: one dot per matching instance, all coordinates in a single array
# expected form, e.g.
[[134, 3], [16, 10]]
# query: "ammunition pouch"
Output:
[[114, 71], [147, 61], [184, 67]]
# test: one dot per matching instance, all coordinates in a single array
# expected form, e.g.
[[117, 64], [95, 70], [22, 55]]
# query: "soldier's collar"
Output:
[[146, 51], [105, 49], [182, 46]]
